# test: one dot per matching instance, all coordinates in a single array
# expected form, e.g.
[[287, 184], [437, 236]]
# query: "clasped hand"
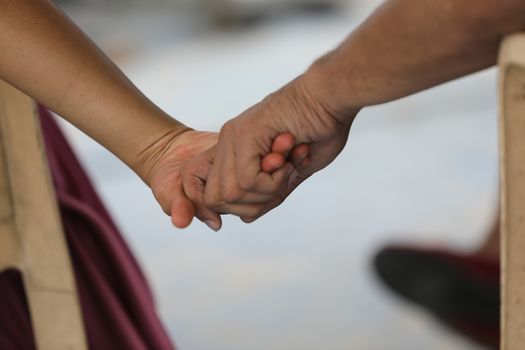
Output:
[[253, 164]]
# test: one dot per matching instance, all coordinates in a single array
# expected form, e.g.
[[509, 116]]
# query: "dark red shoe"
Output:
[[462, 291]]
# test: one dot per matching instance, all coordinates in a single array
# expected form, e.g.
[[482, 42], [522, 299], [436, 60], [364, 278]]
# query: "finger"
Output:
[[267, 207], [250, 213], [242, 210], [249, 220], [247, 198], [283, 144], [281, 148], [279, 180], [244, 205], [203, 213], [231, 191], [294, 180], [306, 161], [194, 175], [299, 154], [213, 190], [248, 153], [282, 176], [276, 159], [182, 209], [224, 184], [263, 183], [271, 162]]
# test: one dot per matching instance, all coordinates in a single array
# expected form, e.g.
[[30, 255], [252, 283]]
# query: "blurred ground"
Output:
[[423, 169]]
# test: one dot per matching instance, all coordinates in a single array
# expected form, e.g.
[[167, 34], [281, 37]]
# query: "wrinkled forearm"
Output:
[[45, 55], [407, 46]]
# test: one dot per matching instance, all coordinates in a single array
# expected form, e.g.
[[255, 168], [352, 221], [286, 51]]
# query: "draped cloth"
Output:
[[117, 304]]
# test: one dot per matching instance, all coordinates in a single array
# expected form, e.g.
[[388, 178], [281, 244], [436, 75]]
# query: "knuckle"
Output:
[[277, 186], [249, 219], [192, 193], [210, 200], [227, 128], [272, 188], [244, 127], [246, 182], [255, 212], [232, 195]]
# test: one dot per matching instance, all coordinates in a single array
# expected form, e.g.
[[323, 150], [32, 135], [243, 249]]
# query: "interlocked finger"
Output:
[[194, 175]]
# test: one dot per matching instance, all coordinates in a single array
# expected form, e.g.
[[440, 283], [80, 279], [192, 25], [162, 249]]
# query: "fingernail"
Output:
[[215, 226]]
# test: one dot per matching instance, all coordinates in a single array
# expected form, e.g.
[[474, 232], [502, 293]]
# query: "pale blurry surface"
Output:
[[423, 169]]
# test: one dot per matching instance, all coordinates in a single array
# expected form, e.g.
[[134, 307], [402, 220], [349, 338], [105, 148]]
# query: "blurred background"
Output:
[[423, 170]]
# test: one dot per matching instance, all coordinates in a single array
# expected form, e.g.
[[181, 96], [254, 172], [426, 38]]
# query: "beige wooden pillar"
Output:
[[512, 161], [31, 236]]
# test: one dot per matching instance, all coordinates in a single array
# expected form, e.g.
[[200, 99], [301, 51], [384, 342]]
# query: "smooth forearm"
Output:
[[409, 45], [45, 55]]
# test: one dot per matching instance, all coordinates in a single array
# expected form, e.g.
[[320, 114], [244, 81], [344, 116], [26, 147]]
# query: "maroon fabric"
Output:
[[118, 307]]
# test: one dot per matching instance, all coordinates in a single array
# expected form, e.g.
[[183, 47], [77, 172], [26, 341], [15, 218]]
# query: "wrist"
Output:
[[326, 83], [154, 147]]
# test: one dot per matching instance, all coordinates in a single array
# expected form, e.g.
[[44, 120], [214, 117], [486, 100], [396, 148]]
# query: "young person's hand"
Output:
[[164, 177]]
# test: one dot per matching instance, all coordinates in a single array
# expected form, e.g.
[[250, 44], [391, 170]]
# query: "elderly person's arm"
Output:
[[405, 46], [410, 45]]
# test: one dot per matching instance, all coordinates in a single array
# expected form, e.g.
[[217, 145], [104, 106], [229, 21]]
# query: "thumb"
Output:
[[182, 208]]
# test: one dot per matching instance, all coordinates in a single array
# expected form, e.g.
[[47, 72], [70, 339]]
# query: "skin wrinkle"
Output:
[[401, 74], [151, 154], [404, 47]]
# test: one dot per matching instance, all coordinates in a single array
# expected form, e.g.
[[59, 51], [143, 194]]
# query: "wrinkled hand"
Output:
[[266, 152]]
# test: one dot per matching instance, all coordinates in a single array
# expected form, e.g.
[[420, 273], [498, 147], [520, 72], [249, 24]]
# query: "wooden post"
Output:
[[512, 165], [31, 236]]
